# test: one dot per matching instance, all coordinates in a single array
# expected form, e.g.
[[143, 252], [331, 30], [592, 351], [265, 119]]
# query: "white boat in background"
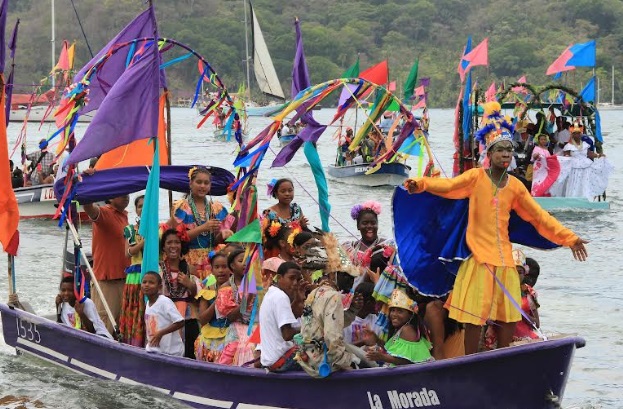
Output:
[[389, 174], [38, 202], [38, 112]]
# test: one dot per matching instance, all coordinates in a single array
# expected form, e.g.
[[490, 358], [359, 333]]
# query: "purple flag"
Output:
[[300, 81], [3, 11], [13, 40], [424, 82], [128, 112], [143, 25]]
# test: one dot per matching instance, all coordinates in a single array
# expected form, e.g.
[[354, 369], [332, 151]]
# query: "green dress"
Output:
[[418, 351]]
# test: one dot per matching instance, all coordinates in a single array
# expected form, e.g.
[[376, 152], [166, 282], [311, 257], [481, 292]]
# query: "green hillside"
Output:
[[524, 36]]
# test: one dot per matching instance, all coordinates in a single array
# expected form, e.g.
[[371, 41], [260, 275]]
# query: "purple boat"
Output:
[[526, 376]]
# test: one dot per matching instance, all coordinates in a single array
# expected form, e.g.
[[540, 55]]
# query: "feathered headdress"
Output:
[[496, 127]]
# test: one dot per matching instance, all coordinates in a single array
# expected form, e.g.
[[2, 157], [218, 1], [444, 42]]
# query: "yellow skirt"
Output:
[[477, 297]]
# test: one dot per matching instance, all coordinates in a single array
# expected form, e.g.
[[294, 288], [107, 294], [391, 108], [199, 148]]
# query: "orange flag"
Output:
[[63, 59], [138, 153], [9, 212]]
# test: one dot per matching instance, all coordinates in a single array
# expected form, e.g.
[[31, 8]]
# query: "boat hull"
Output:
[[38, 112], [38, 202], [528, 376], [570, 203], [390, 174], [286, 139]]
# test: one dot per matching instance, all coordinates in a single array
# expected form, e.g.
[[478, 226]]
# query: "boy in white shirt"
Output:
[[162, 319], [277, 320], [80, 315]]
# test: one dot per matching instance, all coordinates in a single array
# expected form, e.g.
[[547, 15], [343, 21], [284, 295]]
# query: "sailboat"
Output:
[[263, 68], [607, 106]]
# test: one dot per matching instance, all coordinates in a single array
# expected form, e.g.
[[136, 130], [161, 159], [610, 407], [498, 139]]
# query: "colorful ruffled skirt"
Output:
[[131, 320], [210, 342], [238, 350]]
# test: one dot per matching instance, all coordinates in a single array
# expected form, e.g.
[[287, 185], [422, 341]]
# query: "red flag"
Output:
[[63, 60], [377, 74], [9, 212], [490, 94], [559, 65], [479, 55], [392, 86]]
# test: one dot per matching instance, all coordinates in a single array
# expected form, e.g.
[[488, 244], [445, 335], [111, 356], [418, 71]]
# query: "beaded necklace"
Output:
[[497, 185], [201, 220]]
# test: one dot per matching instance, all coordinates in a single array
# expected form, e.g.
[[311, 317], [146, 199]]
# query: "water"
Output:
[[581, 298]]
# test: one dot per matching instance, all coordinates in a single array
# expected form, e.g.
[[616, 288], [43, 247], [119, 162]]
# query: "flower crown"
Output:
[[191, 171], [369, 205]]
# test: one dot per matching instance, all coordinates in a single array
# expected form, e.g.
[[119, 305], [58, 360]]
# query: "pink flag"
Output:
[[392, 86], [490, 94], [559, 65], [420, 91], [421, 104], [521, 80], [479, 55]]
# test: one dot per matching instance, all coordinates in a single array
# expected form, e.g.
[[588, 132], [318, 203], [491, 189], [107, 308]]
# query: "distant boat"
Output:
[[38, 202], [286, 139], [389, 174], [41, 113], [263, 68]]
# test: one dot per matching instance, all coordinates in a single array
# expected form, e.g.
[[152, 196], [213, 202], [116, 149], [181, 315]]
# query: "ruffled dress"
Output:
[[204, 243], [391, 278], [132, 317], [579, 175], [295, 212], [210, 342], [545, 171], [238, 349], [418, 351]]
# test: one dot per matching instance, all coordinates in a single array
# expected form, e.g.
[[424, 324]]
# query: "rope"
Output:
[[86, 40]]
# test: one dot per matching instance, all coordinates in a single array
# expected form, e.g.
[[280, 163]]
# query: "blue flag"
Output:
[[584, 54], [149, 217], [588, 92]]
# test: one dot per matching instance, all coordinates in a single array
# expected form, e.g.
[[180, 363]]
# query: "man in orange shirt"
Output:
[[109, 258]]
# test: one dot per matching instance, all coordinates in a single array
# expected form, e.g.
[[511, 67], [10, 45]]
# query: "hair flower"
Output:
[[191, 171], [370, 205], [274, 228], [182, 233]]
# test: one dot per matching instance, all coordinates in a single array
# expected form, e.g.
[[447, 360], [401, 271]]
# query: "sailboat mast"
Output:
[[612, 95], [53, 41], [246, 47]]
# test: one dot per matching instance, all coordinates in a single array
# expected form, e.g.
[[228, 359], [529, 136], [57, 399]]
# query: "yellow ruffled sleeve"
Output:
[[458, 187], [547, 226]]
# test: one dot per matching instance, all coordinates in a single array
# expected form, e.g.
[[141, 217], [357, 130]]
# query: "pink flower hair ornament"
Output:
[[370, 205]]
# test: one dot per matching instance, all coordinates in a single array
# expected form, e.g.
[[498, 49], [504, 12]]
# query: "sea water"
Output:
[[576, 298]]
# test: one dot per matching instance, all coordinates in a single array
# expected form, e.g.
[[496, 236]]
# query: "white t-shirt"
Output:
[[160, 315], [275, 312], [68, 316]]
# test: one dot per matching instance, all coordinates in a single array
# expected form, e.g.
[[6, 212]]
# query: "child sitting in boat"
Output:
[[366, 318], [238, 350], [525, 330], [209, 343], [80, 315], [407, 342], [279, 325], [163, 321]]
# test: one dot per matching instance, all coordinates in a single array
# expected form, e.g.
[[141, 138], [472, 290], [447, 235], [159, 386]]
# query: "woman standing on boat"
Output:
[[131, 319], [584, 173], [367, 217], [180, 284], [488, 279], [285, 211], [546, 167], [206, 222]]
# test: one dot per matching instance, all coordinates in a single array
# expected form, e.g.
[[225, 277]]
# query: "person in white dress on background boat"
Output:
[[583, 173]]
